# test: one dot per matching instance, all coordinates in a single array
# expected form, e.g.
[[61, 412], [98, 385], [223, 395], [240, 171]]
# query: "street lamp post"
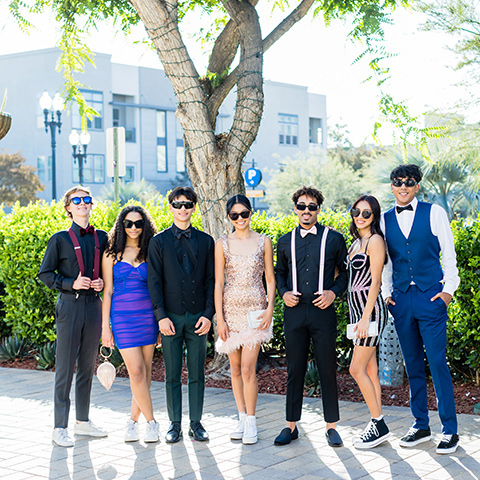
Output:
[[80, 143], [52, 107]]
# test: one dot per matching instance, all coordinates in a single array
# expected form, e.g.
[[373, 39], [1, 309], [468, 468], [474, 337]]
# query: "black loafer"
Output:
[[174, 433], [197, 431], [333, 438], [286, 436]]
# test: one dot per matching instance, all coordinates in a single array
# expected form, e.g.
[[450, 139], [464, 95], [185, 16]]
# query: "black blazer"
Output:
[[171, 289]]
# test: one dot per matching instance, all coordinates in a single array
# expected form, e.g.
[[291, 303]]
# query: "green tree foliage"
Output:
[[338, 182], [18, 182]]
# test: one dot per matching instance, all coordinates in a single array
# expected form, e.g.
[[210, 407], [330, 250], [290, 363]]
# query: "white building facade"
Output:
[[142, 101]]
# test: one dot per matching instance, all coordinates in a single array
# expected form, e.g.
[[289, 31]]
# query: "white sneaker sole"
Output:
[[415, 443], [63, 445], [249, 440], [152, 440], [236, 435], [367, 445], [132, 439]]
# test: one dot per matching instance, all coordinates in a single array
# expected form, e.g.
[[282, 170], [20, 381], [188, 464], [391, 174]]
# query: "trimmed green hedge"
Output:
[[29, 305]]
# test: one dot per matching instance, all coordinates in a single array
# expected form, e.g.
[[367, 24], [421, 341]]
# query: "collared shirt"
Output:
[[59, 267], [308, 259], [186, 248], [440, 227]]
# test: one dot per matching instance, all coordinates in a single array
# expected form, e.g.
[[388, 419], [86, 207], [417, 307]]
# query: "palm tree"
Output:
[[141, 191]]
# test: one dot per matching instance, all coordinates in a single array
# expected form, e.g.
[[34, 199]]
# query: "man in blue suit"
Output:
[[417, 291]]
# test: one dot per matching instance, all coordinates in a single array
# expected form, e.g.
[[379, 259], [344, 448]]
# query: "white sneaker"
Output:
[[88, 428], [250, 433], [131, 433], [237, 434], [61, 438], [152, 432]]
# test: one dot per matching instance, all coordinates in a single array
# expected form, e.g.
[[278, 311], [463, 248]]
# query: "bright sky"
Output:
[[310, 54]]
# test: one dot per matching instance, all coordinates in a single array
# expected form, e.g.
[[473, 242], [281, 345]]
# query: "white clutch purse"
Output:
[[372, 330], [253, 321], [106, 372]]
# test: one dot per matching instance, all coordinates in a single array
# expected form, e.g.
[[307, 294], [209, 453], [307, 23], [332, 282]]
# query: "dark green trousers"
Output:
[[195, 353]]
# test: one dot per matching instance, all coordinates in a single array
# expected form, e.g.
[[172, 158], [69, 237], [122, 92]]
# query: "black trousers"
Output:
[[303, 323], [79, 325]]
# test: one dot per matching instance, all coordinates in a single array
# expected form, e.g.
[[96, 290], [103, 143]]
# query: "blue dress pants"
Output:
[[422, 327]]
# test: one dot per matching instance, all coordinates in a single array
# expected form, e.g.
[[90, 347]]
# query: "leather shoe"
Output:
[[333, 438], [174, 433], [197, 431], [286, 436]]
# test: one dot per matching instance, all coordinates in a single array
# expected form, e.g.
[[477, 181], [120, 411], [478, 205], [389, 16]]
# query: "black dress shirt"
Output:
[[308, 260], [181, 275], [186, 248], [59, 268]]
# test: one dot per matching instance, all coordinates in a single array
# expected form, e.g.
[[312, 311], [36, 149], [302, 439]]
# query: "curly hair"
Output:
[[311, 192], [117, 237], [407, 171]]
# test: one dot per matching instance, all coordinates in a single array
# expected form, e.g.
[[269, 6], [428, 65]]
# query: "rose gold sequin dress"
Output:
[[243, 293]]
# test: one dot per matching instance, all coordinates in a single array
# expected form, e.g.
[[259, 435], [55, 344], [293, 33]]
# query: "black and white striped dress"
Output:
[[359, 282]]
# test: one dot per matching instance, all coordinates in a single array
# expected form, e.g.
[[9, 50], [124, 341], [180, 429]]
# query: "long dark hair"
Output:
[[241, 199], [117, 237], [375, 207]]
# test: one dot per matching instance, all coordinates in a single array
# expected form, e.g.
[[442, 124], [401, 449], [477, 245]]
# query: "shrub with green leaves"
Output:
[[45, 356], [13, 347]]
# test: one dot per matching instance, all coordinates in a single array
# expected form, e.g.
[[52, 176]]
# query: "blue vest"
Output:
[[416, 258]]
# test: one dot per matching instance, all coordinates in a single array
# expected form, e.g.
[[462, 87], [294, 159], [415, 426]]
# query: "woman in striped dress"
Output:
[[365, 262]]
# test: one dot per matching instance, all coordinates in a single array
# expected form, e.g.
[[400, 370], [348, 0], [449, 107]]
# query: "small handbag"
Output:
[[253, 321], [372, 330], [106, 372]]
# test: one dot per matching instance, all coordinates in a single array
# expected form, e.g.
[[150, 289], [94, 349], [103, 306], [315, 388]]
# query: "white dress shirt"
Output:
[[440, 227]]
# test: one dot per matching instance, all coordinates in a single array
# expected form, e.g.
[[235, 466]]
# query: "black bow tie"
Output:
[[183, 233], [401, 209], [84, 231]]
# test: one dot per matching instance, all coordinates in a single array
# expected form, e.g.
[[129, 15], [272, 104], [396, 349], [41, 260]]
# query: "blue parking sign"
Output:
[[253, 177]]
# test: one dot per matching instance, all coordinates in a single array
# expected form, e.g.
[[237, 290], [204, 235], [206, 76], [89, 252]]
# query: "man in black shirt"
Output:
[[308, 284], [181, 282], [71, 265]]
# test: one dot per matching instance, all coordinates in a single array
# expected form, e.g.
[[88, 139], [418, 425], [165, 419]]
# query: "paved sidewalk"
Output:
[[26, 450]]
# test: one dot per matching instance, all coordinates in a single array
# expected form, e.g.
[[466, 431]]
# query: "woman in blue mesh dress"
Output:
[[365, 261], [128, 319]]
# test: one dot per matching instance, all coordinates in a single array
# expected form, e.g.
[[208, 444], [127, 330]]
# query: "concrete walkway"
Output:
[[26, 450]]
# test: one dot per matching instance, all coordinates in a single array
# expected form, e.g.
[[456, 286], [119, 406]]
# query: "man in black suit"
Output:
[[181, 282], [309, 289]]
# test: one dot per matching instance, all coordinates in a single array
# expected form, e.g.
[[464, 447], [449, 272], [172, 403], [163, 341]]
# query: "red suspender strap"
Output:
[[78, 253]]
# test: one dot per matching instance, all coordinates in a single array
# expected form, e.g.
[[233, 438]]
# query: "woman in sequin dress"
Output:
[[128, 318], [241, 259], [365, 264]]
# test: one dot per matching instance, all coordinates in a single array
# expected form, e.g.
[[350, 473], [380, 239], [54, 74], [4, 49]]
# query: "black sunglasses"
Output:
[[312, 207], [355, 212], [87, 200], [234, 216], [130, 223], [410, 182], [179, 205]]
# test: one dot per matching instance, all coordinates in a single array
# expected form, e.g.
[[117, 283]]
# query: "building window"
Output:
[[93, 169], [180, 150], [129, 174], [288, 129], [124, 116], [94, 100], [44, 170], [316, 131], [161, 142]]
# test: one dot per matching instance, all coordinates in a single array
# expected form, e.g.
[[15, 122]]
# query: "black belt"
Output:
[[72, 296]]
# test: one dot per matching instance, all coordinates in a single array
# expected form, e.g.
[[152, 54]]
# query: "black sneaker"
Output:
[[415, 436], [448, 444], [375, 433]]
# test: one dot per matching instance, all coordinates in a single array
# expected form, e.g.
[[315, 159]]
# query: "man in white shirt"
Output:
[[417, 292]]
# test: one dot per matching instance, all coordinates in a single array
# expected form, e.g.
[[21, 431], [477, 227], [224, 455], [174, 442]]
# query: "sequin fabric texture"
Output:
[[359, 282], [243, 292]]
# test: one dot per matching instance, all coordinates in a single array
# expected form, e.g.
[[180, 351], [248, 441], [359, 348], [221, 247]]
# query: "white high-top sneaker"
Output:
[[237, 434], [250, 433]]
